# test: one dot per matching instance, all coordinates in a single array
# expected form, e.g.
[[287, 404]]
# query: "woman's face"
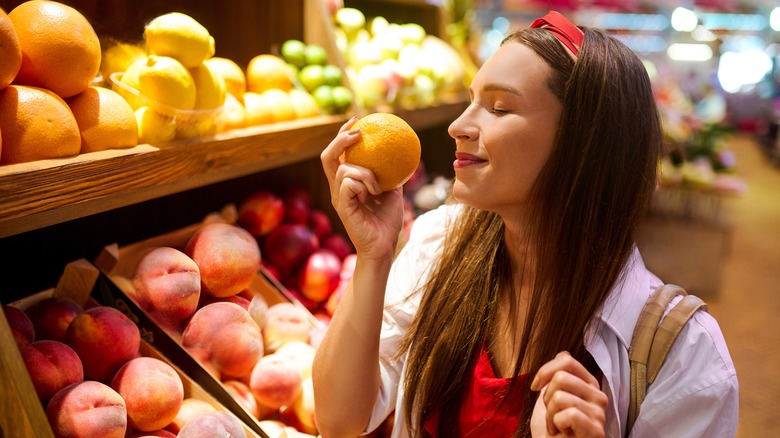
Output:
[[506, 134]]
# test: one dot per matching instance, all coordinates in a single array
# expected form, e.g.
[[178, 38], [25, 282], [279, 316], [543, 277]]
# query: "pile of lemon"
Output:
[[179, 89]]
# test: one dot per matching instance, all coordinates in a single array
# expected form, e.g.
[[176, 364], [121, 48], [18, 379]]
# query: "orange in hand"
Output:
[[389, 147]]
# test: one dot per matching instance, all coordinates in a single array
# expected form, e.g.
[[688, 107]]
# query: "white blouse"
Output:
[[694, 395]]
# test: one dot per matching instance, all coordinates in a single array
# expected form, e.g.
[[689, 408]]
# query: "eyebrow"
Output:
[[499, 87]]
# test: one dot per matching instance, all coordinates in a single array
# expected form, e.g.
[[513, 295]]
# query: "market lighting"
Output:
[[652, 22], [689, 52], [774, 19], [684, 20], [703, 34], [742, 69], [745, 22]]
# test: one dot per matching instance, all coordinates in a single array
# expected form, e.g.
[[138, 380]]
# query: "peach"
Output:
[[276, 381], [52, 316], [105, 339], [286, 322], [167, 286], [22, 327], [152, 390], [301, 354], [320, 275], [235, 299], [215, 424], [258, 308], [303, 408], [228, 258], [191, 408], [52, 366], [87, 409], [241, 392], [260, 212], [224, 338], [162, 433]]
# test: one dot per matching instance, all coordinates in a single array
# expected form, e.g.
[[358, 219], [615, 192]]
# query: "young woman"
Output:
[[510, 311]]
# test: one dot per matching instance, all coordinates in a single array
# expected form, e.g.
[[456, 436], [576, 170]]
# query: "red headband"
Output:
[[570, 35]]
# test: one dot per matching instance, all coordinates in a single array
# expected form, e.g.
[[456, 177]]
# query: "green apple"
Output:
[[332, 74], [323, 95], [342, 98], [293, 52], [311, 76], [315, 54]]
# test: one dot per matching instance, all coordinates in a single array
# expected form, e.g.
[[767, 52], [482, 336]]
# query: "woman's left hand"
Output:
[[571, 402]]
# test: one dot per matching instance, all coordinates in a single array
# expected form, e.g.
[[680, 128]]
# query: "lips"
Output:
[[463, 159]]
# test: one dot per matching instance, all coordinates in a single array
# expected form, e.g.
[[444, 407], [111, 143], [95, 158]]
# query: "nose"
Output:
[[463, 128]]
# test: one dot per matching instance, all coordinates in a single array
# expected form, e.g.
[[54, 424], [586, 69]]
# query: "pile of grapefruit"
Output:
[[49, 57]]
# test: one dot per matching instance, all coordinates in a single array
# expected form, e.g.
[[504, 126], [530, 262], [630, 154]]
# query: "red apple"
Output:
[[260, 212], [338, 244], [320, 224], [289, 245], [297, 205], [320, 275], [22, 327]]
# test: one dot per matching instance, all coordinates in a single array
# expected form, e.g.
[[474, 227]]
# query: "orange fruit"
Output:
[[105, 120], [235, 79], [60, 50], [268, 71], [388, 146], [36, 124], [10, 51]]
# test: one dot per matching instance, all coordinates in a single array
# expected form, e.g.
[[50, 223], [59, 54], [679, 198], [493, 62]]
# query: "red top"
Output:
[[482, 414]]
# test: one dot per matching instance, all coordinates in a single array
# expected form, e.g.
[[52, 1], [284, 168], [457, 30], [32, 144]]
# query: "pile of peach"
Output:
[[92, 381], [201, 294]]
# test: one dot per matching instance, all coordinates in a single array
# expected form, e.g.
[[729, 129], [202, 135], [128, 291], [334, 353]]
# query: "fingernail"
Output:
[[353, 131], [535, 383], [377, 189]]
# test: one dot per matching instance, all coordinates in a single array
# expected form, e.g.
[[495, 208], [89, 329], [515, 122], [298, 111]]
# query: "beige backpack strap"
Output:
[[641, 344], [667, 332]]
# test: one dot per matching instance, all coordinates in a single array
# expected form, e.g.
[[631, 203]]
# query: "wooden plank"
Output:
[[21, 413]]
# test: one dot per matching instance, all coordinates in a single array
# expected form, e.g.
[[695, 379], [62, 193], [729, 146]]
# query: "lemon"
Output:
[[303, 104], [165, 80], [280, 104], [198, 127], [118, 57], [154, 127], [130, 79], [232, 116], [179, 36], [209, 87], [232, 74]]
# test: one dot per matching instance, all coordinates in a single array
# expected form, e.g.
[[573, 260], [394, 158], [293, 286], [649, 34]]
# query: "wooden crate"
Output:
[[76, 283], [115, 288]]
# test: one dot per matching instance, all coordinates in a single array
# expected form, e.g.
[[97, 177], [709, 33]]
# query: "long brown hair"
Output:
[[586, 204]]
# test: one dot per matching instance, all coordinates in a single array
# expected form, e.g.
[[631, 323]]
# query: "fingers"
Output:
[[572, 396], [354, 182], [562, 362], [331, 156]]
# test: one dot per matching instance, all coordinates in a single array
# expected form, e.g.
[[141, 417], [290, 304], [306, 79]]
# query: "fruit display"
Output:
[[394, 64], [94, 376], [49, 107]]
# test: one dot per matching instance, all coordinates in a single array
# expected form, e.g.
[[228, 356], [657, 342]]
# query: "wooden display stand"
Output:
[[50, 208]]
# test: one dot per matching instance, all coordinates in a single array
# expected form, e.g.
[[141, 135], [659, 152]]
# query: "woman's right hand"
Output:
[[373, 220]]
